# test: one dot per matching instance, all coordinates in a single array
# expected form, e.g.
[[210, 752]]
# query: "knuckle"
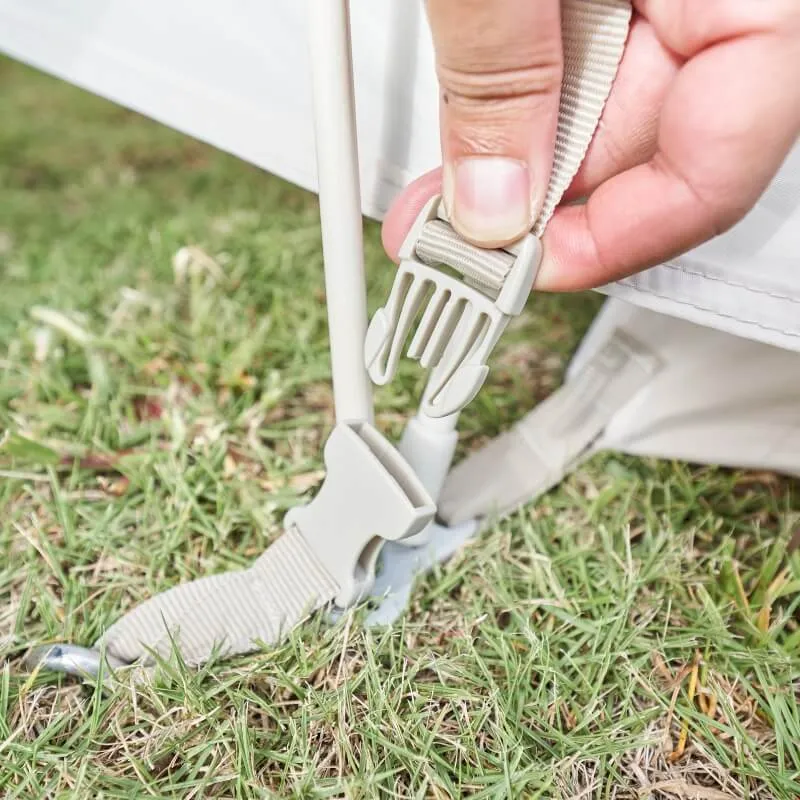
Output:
[[467, 86], [496, 124], [481, 136]]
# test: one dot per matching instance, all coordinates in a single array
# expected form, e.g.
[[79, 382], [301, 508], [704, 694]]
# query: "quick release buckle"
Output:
[[370, 495], [458, 299]]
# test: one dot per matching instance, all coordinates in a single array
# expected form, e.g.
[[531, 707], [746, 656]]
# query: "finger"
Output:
[[627, 132], [711, 166], [625, 137], [689, 26], [406, 208], [499, 64], [638, 219]]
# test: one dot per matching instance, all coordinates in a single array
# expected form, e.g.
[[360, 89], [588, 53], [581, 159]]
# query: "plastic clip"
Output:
[[461, 317], [370, 495]]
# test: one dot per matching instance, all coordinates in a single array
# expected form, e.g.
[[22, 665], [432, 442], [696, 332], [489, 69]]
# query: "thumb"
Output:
[[499, 64]]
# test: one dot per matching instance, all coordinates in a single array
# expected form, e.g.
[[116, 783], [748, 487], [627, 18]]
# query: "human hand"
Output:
[[705, 108]]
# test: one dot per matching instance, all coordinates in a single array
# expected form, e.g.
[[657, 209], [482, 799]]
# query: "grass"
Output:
[[164, 387]]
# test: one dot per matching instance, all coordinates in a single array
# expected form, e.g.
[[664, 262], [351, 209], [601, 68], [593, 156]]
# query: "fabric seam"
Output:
[[705, 309], [735, 284]]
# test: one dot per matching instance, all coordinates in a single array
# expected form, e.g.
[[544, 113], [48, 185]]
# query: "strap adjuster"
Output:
[[459, 318], [370, 495]]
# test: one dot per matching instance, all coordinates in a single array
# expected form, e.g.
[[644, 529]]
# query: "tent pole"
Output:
[[340, 205]]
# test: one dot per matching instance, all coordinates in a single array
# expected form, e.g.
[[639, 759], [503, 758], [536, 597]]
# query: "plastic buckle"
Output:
[[459, 325], [370, 495]]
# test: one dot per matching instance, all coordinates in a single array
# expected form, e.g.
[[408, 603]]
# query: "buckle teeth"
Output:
[[453, 323]]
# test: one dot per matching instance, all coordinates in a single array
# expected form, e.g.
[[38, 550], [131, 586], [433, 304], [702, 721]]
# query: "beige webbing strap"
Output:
[[594, 34], [551, 440], [484, 269], [231, 613]]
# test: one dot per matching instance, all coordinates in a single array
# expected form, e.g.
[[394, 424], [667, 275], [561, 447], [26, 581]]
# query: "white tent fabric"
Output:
[[725, 319], [237, 76], [687, 392], [718, 398]]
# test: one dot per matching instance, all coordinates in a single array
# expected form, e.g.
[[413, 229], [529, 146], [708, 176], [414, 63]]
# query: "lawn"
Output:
[[164, 388]]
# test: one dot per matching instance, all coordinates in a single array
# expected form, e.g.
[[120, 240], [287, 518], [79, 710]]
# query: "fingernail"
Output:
[[488, 199]]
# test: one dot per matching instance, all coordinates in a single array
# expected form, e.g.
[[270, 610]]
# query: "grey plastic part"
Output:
[[370, 495], [401, 566], [458, 330], [517, 286], [550, 441], [458, 326]]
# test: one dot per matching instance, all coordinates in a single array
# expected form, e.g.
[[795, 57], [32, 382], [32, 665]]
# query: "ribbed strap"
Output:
[[485, 269], [229, 614], [594, 34]]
